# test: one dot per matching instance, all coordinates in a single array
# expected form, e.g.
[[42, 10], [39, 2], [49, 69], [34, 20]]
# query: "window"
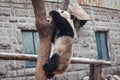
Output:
[[30, 44], [101, 42]]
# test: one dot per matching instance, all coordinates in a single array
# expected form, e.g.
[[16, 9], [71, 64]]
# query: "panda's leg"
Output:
[[51, 66]]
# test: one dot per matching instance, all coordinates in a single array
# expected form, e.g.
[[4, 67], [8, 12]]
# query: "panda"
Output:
[[62, 39]]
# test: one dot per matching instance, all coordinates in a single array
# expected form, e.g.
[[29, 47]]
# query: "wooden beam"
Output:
[[90, 61], [78, 11], [16, 56]]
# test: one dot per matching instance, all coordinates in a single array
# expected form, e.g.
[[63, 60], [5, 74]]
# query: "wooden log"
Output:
[[89, 61], [45, 32], [16, 56]]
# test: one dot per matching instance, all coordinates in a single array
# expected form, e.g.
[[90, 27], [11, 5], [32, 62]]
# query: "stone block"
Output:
[[19, 36], [8, 25], [93, 46], [4, 4], [4, 42], [21, 12], [70, 68], [2, 31], [31, 12], [5, 1], [13, 19], [30, 77], [18, 6], [31, 20], [22, 20], [13, 40], [5, 11], [18, 1], [3, 18], [60, 77], [26, 26], [10, 32], [29, 6], [81, 74], [1, 24], [3, 70], [71, 75]]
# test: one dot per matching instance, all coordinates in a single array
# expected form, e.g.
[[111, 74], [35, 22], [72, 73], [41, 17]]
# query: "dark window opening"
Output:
[[102, 46], [31, 45]]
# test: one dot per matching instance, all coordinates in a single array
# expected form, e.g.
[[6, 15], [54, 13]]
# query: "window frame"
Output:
[[100, 43], [30, 64]]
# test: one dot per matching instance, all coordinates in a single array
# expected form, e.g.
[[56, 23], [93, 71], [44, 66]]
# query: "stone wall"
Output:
[[17, 15]]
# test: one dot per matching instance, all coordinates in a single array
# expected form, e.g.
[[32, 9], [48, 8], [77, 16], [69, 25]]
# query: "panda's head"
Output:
[[58, 14], [65, 14], [69, 18], [55, 14]]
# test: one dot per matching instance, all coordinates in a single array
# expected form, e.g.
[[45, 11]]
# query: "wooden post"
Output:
[[91, 72], [95, 72]]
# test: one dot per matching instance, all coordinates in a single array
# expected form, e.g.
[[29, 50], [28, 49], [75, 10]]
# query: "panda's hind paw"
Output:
[[49, 76], [48, 73]]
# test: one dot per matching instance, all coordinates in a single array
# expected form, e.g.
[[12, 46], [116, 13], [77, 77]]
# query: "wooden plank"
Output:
[[15, 56], [78, 11]]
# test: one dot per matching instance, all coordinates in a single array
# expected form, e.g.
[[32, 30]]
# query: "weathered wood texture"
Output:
[[78, 11], [15, 56], [45, 32], [95, 65]]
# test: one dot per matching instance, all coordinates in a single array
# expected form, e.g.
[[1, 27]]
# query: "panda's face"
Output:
[[65, 14]]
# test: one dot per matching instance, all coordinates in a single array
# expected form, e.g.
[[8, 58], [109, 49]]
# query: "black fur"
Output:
[[61, 28], [51, 66]]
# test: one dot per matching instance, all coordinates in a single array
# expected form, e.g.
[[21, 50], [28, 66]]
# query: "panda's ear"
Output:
[[72, 17]]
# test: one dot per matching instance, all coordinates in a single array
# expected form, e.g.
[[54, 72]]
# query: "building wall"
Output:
[[17, 15], [114, 4]]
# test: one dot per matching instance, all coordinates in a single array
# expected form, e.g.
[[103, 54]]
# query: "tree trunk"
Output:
[[45, 32]]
